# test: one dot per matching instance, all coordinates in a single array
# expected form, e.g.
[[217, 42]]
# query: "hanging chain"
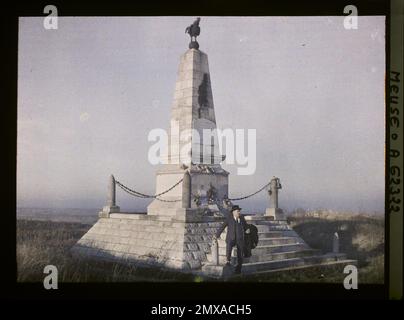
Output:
[[250, 195], [142, 195]]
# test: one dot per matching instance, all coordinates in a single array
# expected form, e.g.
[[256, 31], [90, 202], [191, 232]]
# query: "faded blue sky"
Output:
[[89, 93]]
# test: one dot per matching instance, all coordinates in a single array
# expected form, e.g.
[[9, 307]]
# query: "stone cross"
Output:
[[275, 185], [274, 210]]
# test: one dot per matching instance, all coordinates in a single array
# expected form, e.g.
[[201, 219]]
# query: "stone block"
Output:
[[188, 256], [124, 233], [198, 255], [192, 246], [205, 247]]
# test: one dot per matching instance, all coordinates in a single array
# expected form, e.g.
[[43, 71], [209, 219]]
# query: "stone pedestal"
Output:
[[201, 183], [177, 242]]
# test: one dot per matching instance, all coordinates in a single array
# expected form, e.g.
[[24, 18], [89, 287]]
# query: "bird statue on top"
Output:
[[194, 30]]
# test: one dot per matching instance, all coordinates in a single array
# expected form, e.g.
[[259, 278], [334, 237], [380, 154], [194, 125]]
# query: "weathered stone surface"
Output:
[[170, 243], [192, 108], [187, 246]]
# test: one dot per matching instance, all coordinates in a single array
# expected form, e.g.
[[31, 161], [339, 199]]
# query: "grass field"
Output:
[[40, 243]]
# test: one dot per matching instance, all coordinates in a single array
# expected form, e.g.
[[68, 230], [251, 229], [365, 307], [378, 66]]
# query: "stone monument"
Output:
[[177, 230], [191, 198]]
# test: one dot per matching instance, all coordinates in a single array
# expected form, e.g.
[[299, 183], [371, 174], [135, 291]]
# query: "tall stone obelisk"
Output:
[[193, 141]]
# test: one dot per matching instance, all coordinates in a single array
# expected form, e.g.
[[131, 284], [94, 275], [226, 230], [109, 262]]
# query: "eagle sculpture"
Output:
[[194, 30]]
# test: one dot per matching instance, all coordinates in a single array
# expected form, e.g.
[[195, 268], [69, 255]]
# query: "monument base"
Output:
[[179, 242], [205, 179], [275, 213], [185, 245]]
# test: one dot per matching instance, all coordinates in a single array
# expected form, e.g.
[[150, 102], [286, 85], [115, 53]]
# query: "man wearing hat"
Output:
[[236, 227]]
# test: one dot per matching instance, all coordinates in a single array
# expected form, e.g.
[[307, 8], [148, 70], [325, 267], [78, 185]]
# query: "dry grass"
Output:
[[361, 238]]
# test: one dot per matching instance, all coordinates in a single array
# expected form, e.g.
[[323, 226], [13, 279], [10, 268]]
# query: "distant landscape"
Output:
[[86, 216], [45, 236]]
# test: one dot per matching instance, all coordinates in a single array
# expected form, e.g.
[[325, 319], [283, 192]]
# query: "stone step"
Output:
[[267, 256], [277, 234], [277, 241], [281, 255], [228, 271], [271, 223], [253, 267], [342, 262], [270, 265], [270, 234], [265, 249], [266, 228], [267, 241]]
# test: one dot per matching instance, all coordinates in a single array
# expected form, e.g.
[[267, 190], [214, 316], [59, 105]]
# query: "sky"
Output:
[[91, 91]]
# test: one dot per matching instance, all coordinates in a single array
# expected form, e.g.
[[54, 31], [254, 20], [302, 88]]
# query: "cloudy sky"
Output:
[[90, 92]]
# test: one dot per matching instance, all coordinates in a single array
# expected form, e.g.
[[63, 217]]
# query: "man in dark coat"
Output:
[[236, 228], [250, 240]]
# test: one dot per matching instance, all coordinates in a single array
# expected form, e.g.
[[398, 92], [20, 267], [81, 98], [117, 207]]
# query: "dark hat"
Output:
[[235, 208]]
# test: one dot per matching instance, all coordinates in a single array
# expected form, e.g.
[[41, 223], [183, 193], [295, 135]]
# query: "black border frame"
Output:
[[184, 291]]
